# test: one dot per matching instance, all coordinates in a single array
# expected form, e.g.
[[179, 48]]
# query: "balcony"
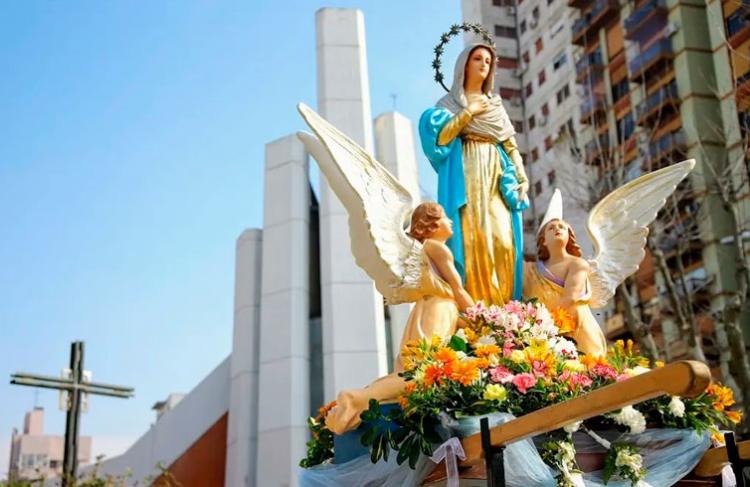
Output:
[[641, 15], [652, 107], [591, 21], [669, 145], [590, 65], [651, 58], [743, 93], [596, 152], [591, 105], [738, 29]]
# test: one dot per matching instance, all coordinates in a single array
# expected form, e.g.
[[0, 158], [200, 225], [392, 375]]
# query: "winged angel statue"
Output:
[[415, 265]]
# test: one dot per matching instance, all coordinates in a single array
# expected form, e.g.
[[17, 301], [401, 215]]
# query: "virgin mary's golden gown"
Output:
[[540, 283]]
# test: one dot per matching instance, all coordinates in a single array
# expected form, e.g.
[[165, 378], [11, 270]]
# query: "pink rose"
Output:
[[524, 382], [605, 371], [501, 375], [581, 380], [622, 377], [508, 347]]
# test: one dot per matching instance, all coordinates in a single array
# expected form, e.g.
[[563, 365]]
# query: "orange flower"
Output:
[[487, 350], [324, 410], [471, 335], [403, 402], [465, 372], [722, 396], [432, 374], [734, 416], [717, 437], [564, 320], [591, 361], [446, 355], [410, 386], [482, 363]]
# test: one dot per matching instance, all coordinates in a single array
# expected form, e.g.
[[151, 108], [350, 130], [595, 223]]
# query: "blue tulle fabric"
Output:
[[668, 455]]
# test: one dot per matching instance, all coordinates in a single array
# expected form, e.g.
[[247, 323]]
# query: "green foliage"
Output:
[[320, 446]]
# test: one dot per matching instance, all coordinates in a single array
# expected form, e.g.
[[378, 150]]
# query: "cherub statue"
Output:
[[414, 267], [617, 226]]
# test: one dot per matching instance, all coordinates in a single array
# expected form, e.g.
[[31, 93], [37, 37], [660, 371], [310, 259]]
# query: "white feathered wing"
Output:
[[379, 208], [618, 227]]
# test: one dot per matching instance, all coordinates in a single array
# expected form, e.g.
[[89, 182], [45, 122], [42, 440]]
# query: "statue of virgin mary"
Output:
[[470, 142]]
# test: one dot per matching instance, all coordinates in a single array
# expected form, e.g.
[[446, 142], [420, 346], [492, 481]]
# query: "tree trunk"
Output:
[[687, 323], [635, 325]]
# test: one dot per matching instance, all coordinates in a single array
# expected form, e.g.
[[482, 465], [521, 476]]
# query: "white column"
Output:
[[242, 430], [284, 393], [354, 351], [394, 144]]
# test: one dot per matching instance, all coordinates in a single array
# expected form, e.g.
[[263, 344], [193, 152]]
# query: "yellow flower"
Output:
[[471, 335], [565, 321], [716, 436], [659, 364], [734, 416], [495, 392], [722, 396], [574, 366], [487, 350], [517, 356]]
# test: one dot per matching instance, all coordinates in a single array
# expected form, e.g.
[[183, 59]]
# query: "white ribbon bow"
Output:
[[449, 451]]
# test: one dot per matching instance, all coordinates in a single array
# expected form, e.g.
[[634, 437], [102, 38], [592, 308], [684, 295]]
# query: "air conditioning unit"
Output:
[[533, 23], [510, 10], [670, 29]]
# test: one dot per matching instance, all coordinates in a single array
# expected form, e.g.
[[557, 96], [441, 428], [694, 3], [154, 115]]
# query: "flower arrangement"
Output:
[[516, 359]]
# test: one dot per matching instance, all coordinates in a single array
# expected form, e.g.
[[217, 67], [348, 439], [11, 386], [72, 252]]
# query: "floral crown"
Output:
[[446, 37]]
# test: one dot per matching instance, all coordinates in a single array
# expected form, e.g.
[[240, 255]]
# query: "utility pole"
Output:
[[75, 385]]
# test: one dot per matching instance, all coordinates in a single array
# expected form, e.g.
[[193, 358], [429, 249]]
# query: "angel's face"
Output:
[[445, 228], [556, 232], [478, 65]]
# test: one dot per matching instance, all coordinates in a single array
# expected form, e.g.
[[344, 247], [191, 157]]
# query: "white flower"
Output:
[[567, 452], [633, 461], [461, 355], [563, 346], [632, 418], [676, 407], [577, 480], [486, 340], [462, 335], [572, 427]]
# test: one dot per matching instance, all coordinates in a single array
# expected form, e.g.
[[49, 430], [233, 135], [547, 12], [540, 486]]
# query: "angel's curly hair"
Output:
[[424, 220], [572, 247]]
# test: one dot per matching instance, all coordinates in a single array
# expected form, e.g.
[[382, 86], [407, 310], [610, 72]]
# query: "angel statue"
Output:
[[617, 227], [407, 267], [470, 142]]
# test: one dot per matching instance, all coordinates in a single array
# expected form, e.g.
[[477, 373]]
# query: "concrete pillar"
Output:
[[284, 392], [394, 147], [242, 430], [354, 350]]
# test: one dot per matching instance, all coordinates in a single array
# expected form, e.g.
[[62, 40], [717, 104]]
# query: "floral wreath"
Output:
[[446, 37]]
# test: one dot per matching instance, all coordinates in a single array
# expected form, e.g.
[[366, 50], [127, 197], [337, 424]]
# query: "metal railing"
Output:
[[667, 143], [637, 16], [660, 48], [668, 92]]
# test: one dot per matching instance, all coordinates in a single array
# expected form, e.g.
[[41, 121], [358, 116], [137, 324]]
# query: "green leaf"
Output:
[[457, 344], [413, 457], [404, 451], [368, 437]]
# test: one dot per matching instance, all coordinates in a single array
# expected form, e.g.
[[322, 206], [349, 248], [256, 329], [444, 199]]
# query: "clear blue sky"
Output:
[[131, 155]]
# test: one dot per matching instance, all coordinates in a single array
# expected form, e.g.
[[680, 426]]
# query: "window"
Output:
[[550, 2], [534, 154], [563, 94], [526, 57], [542, 77], [529, 89], [535, 13], [502, 3], [571, 127], [545, 109], [547, 143], [551, 177], [518, 126], [505, 31], [538, 188], [507, 62], [522, 26], [532, 122], [620, 89], [558, 62], [509, 93], [557, 28], [539, 45]]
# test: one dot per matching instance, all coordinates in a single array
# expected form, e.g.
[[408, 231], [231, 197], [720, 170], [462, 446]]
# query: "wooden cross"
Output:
[[75, 386]]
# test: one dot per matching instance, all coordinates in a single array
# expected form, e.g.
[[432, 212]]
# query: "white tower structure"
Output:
[[354, 350], [242, 428], [284, 392], [394, 148]]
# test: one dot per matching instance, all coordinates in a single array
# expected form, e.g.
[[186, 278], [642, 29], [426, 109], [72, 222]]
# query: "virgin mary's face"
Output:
[[478, 65]]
